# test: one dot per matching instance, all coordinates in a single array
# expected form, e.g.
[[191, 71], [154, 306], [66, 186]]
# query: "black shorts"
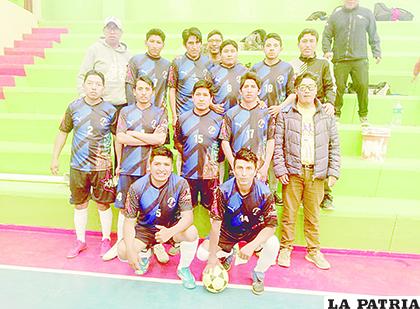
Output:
[[95, 185], [206, 189], [226, 242], [147, 236], [124, 183]]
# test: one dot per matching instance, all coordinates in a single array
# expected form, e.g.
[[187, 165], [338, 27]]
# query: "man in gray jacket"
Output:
[[306, 152], [347, 27]]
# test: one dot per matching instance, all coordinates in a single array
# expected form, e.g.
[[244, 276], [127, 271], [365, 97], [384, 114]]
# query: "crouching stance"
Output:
[[243, 211], [158, 210]]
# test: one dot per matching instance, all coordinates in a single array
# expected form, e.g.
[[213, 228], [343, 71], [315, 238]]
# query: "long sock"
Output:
[[187, 250], [268, 254], [120, 226], [106, 223], [80, 222]]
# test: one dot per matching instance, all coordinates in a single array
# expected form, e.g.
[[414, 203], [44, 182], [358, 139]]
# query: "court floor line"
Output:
[[171, 281]]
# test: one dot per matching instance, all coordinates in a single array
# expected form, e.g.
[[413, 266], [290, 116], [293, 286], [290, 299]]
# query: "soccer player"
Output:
[[93, 122], [275, 74], [243, 210], [158, 210], [247, 125], [197, 139], [140, 126], [214, 40], [152, 65], [185, 71]]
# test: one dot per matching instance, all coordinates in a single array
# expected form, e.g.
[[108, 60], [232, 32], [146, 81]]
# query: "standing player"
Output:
[[152, 65], [247, 125], [158, 210], [214, 40], [140, 126], [243, 210], [185, 71], [93, 121], [197, 139]]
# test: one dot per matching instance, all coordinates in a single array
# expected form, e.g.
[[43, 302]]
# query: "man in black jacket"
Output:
[[347, 27]]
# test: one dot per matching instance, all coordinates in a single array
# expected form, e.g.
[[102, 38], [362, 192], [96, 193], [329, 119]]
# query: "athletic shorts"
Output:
[[206, 189], [226, 242], [147, 236], [124, 183], [95, 185]]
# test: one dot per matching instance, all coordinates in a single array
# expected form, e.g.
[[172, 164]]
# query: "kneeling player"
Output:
[[243, 210], [158, 210]]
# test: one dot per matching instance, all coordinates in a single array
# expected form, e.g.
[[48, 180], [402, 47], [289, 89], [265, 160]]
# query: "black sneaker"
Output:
[[227, 261], [257, 282]]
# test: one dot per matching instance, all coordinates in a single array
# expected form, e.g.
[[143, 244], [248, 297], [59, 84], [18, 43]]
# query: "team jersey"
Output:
[[243, 215], [92, 140], [250, 129], [227, 82], [183, 74], [135, 159], [157, 206], [157, 69], [277, 81], [197, 139]]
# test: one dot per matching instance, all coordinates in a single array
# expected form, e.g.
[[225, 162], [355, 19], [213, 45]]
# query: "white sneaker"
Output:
[[161, 255], [111, 253]]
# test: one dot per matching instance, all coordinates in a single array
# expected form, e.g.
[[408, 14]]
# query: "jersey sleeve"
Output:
[[131, 208], [270, 212], [122, 123], [66, 124], [173, 75], [217, 209], [226, 129], [184, 201]]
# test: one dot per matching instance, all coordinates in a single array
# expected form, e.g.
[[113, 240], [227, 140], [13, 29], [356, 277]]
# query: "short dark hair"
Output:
[[193, 31], [275, 36], [145, 79], [250, 75], [299, 78], [202, 83], [214, 32], [308, 31], [229, 42], [246, 155], [161, 151], [94, 72], [156, 31]]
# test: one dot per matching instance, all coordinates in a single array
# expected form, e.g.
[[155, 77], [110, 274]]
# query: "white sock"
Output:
[[187, 250], [268, 254], [120, 226], [106, 222], [80, 222]]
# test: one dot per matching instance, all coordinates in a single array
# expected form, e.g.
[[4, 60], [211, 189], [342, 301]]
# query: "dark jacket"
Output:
[[287, 159], [348, 29]]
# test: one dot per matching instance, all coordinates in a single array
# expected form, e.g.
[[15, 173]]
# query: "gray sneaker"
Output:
[[284, 258], [318, 259], [327, 203], [257, 282]]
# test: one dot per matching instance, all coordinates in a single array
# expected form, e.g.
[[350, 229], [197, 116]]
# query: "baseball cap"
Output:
[[113, 19]]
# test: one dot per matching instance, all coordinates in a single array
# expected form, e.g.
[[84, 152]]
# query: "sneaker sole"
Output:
[[73, 256], [182, 279], [257, 292], [111, 253], [313, 262]]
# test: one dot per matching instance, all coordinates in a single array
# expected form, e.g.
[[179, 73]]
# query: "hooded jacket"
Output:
[[112, 63]]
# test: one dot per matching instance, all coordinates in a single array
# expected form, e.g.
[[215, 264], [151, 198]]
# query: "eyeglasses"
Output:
[[307, 87]]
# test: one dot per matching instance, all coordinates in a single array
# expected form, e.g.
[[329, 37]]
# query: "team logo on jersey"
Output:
[[103, 121], [212, 130], [280, 79], [129, 122], [171, 202], [255, 211], [153, 123], [261, 123]]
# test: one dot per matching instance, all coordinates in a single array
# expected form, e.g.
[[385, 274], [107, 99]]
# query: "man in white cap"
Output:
[[110, 57]]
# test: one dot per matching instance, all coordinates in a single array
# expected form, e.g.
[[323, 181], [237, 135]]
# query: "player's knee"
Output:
[[272, 244], [202, 253], [81, 206], [191, 234], [103, 207]]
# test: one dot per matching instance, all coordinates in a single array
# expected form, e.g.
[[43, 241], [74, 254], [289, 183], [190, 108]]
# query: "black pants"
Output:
[[359, 72]]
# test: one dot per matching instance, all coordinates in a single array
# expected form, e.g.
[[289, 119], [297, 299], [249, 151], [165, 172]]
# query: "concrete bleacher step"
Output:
[[7, 80], [17, 59], [33, 44], [357, 223], [39, 52], [43, 36], [12, 69]]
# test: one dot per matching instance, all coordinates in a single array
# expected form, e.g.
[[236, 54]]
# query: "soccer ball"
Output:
[[217, 280]]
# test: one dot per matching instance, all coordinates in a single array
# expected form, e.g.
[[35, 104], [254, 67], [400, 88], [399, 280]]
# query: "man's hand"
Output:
[[274, 110], [117, 170], [328, 55], [246, 251], [211, 264], [263, 172], [331, 181], [54, 167], [163, 235], [218, 108], [329, 109], [284, 179], [174, 120], [133, 260], [378, 59]]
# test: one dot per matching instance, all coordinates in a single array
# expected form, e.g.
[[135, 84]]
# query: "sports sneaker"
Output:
[[160, 253], [111, 253], [284, 258], [257, 282], [227, 261], [188, 280], [76, 249], [364, 121], [105, 246], [278, 200], [144, 264], [327, 203], [174, 249], [318, 259]]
